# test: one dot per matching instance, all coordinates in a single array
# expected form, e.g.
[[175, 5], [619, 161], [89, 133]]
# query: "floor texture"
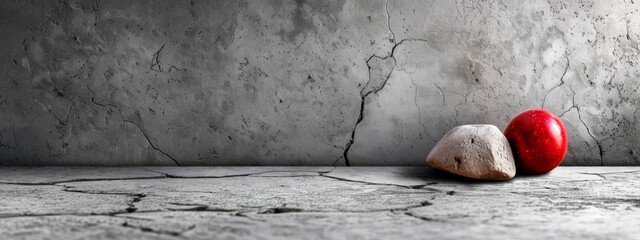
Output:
[[315, 203]]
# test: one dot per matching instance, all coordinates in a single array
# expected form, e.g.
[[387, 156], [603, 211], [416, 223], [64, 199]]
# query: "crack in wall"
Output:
[[574, 106], [13, 129], [93, 100], [150, 142], [465, 100], [335, 161], [415, 102], [144, 133], [177, 69], [24, 46], [393, 35], [566, 55], [573, 102], [364, 93], [600, 151], [155, 61], [369, 89], [62, 122], [7, 146], [441, 93]]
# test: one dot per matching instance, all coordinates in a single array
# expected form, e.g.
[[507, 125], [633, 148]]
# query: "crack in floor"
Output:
[[421, 218], [603, 175], [157, 231], [79, 180], [168, 175], [417, 186], [177, 216], [167, 212], [163, 175], [596, 174], [230, 212], [137, 197]]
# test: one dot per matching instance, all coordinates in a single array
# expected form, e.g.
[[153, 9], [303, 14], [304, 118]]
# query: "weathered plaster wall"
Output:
[[275, 82]]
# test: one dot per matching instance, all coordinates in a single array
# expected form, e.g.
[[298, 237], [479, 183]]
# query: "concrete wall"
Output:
[[307, 82]]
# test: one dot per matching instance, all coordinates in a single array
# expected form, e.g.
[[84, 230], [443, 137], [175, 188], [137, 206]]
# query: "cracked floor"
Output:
[[314, 203]]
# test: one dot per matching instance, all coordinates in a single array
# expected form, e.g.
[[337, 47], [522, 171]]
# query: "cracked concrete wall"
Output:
[[307, 82]]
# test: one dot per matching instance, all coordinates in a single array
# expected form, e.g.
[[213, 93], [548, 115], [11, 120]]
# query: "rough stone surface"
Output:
[[275, 82], [308, 203], [476, 151]]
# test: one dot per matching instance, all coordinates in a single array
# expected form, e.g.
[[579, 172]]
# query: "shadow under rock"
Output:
[[438, 176]]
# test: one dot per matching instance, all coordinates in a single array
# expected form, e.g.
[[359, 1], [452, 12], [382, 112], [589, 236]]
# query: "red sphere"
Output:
[[538, 140]]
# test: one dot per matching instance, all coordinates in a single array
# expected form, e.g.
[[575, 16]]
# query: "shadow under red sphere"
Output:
[[538, 140]]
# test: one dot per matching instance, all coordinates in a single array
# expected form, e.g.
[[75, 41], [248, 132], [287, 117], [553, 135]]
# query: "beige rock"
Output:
[[474, 151]]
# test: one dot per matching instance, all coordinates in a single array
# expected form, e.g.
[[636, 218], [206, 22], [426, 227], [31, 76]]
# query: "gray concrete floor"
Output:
[[315, 203]]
